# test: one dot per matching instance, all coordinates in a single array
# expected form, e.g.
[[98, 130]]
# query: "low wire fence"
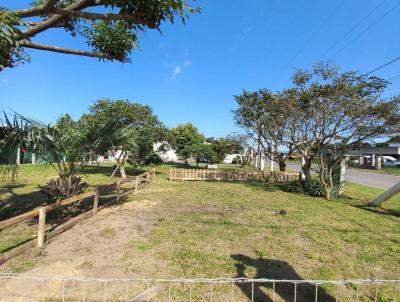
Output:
[[21, 287]]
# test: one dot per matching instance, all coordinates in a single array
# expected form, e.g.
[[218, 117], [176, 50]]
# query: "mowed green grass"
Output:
[[208, 229], [385, 170], [217, 223]]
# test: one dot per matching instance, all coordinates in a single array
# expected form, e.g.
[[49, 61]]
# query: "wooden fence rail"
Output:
[[137, 182], [238, 175]]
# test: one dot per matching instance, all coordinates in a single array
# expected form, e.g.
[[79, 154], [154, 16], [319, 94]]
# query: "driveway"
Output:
[[371, 179]]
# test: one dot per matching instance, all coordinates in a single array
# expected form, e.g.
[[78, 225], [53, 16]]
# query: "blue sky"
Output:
[[191, 72]]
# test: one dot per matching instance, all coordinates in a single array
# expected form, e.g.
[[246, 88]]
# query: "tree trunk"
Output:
[[282, 166], [326, 177], [307, 168], [328, 194], [121, 165]]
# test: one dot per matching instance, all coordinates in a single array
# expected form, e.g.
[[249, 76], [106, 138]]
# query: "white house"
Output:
[[230, 158], [168, 155]]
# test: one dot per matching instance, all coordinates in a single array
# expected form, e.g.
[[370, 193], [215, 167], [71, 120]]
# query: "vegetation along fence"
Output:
[[45, 234], [239, 175], [22, 287]]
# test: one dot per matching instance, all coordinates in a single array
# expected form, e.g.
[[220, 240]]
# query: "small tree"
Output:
[[184, 139], [226, 145], [66, 146], [341, 110], [204, 152], [111, 31], [143, 130], [220, 146]]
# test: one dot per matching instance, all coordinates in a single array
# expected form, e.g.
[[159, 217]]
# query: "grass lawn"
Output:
[[228, 229], [385, 170]]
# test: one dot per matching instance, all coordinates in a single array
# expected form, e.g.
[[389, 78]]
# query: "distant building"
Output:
[[167, 154], [232, 158]]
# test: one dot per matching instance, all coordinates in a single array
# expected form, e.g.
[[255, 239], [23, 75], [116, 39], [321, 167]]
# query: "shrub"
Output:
[[62, 188], [311, 187], [154, 159]]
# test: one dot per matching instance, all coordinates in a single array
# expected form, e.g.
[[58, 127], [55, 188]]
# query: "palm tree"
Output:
[[67, 146]]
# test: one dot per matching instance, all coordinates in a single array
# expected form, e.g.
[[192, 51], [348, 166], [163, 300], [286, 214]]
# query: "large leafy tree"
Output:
[[109, 27], [143, 127], [265, 117], [340, 111], [185, 139]]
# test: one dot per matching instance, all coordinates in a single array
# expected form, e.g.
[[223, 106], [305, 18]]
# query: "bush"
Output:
[[61, 188], [311, 187], [154, 159]]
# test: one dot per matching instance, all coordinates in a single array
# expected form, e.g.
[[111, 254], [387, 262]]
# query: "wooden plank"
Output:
[[68, 201], [18, 251], [377, 202], [9, 222]]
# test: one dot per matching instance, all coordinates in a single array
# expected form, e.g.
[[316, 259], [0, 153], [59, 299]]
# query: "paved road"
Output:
[[383, 181]]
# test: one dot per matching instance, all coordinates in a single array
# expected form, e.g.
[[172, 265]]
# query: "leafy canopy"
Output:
[[185, 138], [110, 27], [138, 120]]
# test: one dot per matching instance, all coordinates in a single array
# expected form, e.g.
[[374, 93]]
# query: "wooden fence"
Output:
[[227, 175], [42, 236]]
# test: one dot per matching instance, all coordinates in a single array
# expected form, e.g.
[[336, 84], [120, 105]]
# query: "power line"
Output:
[[366, 29], [353, 28], [394, 77], [326, 20], [382, 66]]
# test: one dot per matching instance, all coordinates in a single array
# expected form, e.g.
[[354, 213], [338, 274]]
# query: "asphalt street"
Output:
[[371, 179]]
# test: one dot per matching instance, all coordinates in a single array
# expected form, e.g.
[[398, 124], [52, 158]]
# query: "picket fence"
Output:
[[229, 175]]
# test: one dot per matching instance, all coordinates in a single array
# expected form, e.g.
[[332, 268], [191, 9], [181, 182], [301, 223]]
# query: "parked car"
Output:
[[390, 161]]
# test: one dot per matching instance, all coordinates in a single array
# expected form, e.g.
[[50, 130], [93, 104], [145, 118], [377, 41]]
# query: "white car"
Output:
[[390, 161]]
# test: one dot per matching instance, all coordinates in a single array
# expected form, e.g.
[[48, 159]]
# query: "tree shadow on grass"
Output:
[[278, 270], [364, 205], [107, 170], [17, 204], [378, 210]]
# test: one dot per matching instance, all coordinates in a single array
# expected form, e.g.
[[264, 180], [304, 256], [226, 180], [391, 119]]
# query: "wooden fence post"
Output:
[[136, 183], [118, 189], [154, 174], [96, 201], [41, 226]]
